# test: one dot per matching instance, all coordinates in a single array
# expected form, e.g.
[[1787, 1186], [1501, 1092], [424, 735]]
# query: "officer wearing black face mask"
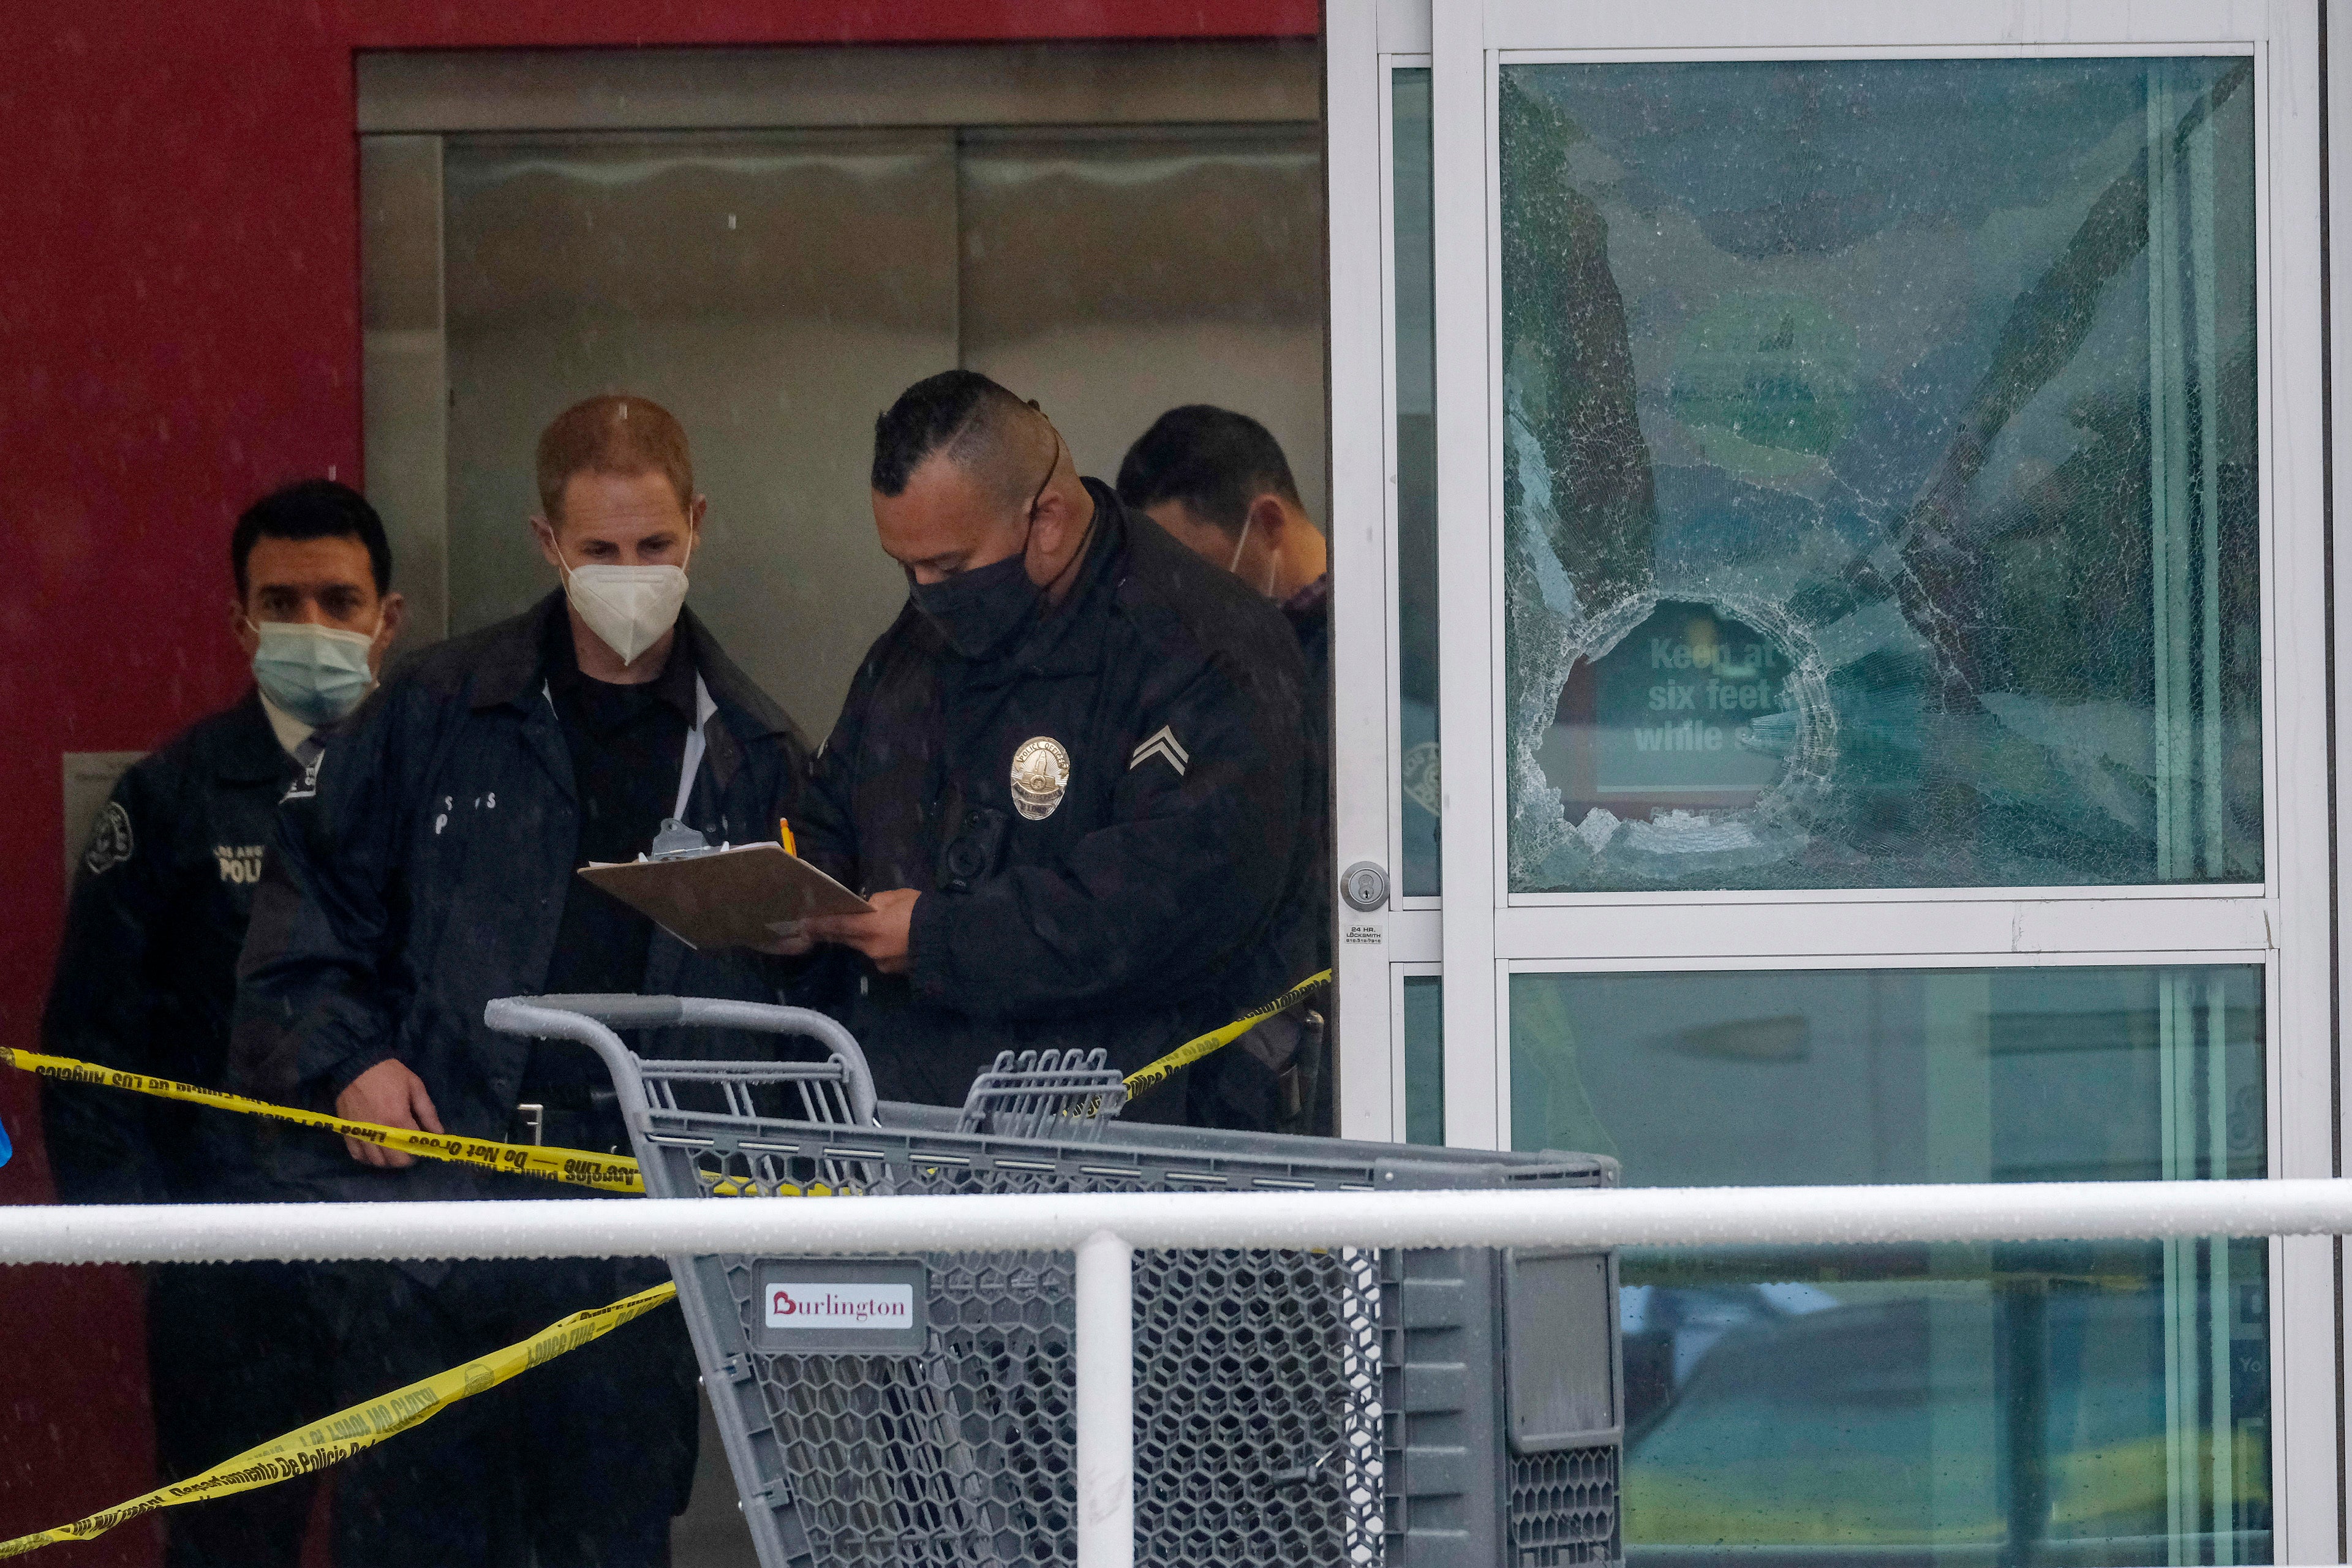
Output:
[[1070, 778]]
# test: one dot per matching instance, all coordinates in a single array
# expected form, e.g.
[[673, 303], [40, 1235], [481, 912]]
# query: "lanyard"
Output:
[[703, 709], [691, 765]]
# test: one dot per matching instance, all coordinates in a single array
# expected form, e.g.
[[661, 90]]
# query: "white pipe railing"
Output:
[[1102, 1229], [1644, 1217]]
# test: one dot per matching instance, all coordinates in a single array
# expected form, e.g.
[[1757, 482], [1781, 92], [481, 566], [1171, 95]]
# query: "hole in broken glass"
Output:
[[1687, 743]]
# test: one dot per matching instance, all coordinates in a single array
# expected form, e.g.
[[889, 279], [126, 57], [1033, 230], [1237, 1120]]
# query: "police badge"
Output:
[[1041, 776]]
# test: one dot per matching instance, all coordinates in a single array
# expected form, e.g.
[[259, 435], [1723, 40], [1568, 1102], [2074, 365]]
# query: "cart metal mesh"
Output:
[[1291, 1408]]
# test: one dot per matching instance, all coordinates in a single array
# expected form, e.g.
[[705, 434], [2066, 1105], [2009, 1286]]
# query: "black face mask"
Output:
[[978, 611]]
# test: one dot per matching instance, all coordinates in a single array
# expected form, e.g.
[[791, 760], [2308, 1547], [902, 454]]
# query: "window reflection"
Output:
[[1415, 329], [2091, 1402], [1940, 377]]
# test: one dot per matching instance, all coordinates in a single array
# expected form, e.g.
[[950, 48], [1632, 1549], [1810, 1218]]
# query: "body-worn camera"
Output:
[[973, 849]]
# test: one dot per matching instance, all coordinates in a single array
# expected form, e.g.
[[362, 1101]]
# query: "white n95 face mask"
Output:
[[316, 673], [629, 608]]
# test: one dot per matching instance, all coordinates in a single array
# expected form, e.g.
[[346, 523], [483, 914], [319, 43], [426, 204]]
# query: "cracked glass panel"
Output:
[[1880, 478]]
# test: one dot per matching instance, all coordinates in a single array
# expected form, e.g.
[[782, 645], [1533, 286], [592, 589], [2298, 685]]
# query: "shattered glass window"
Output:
[[1880, 473], [2034, 1402]]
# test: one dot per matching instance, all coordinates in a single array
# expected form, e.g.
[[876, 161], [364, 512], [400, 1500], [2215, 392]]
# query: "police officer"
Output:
[[1219, 483], [1070, 776], [428, 869], [146, 979]]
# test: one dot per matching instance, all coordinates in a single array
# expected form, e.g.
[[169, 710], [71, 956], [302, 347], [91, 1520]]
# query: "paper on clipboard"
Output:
[[746, 896]]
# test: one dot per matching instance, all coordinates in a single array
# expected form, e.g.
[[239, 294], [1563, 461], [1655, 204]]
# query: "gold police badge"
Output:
[[1041, 776]]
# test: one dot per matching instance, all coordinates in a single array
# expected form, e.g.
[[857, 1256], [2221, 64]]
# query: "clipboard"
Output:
[[741, 896]]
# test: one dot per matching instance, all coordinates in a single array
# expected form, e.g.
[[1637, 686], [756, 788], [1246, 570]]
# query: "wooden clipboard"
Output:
[[745, 896]]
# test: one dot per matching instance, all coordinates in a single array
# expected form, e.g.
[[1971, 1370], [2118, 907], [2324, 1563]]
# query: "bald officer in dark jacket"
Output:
[[1070, 777]]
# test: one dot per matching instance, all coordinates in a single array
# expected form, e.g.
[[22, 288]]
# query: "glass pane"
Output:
[[1416, 471], [1114, 275], [1880, 474], [2051, 1403], [1424, 1059], [773, 290]]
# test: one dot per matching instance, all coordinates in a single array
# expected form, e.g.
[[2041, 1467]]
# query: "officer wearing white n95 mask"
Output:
[[146, 979], [431, 869]]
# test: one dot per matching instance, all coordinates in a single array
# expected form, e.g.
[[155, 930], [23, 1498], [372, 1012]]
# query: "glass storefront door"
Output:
[[1875, 531]]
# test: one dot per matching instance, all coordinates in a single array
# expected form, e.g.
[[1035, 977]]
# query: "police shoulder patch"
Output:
[[109, 840]]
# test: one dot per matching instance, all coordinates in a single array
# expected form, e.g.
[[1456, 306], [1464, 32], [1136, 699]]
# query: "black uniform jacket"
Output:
[[421, 872], [1309, 611], [148, 971], [1155, 898]]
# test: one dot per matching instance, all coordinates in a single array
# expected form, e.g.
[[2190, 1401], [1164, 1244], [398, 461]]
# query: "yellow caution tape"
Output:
[[605, 1173], [579, 1167], [1146, 1079], [346, 1432]]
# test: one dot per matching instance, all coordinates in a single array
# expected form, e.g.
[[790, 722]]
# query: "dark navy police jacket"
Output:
[[1161, 894], [147, 975], [422, 871]]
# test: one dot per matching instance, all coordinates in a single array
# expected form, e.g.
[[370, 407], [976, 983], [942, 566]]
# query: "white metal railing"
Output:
[[1102, 1229]]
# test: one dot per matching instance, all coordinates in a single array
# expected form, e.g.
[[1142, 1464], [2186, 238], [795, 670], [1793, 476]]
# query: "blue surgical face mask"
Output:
[[316, 673]]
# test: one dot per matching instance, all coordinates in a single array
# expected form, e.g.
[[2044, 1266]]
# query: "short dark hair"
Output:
[[612, 433], [312, 509], [960, 412], [1212, 460]]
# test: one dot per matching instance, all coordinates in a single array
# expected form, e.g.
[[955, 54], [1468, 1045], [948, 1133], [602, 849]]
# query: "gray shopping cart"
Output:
[[1408, 1407]]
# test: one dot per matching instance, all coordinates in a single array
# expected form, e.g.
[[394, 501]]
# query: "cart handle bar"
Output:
[[591, 1019]]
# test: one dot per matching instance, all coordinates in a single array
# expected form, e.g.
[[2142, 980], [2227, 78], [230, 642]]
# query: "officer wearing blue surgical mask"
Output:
[[315, 620], [145, 981], [431, 867]]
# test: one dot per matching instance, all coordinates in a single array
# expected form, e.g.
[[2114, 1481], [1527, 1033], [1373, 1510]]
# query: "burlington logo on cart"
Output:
[[812, 1306], [805, 1305]]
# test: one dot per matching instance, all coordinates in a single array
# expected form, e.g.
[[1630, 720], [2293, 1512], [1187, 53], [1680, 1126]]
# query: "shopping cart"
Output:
[[1452, 1406]]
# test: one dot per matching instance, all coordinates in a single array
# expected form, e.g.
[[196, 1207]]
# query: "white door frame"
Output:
[[2287, 920], [1364, 41]]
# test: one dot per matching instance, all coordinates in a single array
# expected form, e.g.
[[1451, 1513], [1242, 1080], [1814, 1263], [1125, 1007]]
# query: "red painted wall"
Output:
[[179, 330]]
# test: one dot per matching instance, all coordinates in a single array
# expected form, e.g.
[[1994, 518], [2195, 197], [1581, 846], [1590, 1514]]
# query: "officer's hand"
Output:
[[881, 936], [389, 1095], [790, 940]]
